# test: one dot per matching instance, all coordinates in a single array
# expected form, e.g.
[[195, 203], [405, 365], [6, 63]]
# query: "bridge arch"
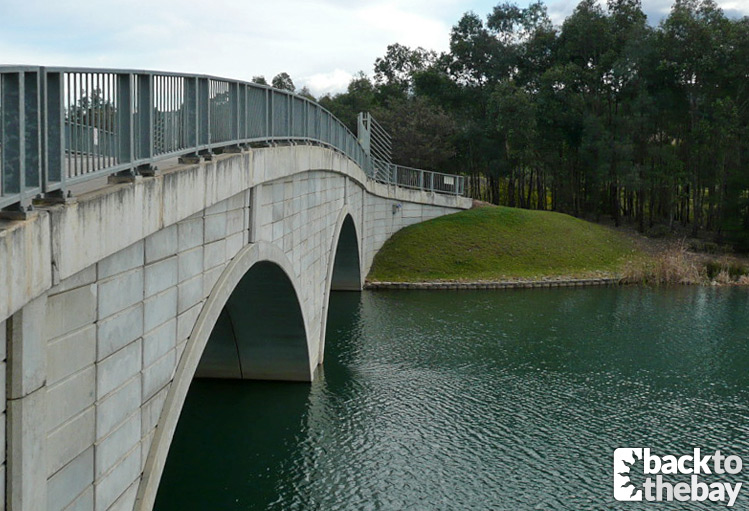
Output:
[[259, 270], [344, 266]]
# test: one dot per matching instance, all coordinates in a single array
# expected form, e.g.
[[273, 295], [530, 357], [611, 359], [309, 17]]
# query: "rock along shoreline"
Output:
[[513, 284]]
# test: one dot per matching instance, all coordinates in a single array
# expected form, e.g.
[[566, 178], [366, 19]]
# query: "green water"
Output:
[[506, 400]]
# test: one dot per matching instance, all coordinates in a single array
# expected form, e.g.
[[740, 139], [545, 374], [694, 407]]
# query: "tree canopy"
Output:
[[603, 116]]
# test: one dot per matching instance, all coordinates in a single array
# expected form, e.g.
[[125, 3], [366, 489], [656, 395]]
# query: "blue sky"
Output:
[[320, 43]]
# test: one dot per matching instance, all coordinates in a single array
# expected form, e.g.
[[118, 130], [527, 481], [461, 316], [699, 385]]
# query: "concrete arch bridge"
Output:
[[159, 227]]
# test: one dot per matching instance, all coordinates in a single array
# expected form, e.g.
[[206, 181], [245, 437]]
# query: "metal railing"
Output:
[[409, 177], [62, 126]]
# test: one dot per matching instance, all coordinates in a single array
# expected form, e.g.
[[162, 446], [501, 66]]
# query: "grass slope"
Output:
[[499, 243]]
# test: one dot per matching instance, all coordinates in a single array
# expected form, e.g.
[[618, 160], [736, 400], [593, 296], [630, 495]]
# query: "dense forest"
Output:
[[603, 117]]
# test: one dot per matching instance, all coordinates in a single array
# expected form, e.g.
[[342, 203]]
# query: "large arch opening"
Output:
[[259, 334], [252, 326]]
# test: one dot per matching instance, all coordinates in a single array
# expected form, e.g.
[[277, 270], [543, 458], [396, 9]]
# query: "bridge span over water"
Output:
[[209, 221]]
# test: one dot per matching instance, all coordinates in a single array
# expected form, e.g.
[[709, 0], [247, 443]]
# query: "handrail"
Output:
[[419, 179], [60, 126]]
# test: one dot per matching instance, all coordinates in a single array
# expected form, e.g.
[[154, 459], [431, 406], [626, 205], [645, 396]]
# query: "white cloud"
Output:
[[324, 83], [321, 43]]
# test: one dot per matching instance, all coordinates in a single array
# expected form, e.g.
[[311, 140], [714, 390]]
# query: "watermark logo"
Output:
[[639, 476]]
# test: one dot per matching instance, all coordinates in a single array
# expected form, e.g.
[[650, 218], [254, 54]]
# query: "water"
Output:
[[506, 400]]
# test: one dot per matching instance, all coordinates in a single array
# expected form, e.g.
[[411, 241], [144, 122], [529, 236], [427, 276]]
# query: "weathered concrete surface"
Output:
[[111, 301]]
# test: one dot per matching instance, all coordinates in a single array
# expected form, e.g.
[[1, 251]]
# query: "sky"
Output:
[[321, 44]]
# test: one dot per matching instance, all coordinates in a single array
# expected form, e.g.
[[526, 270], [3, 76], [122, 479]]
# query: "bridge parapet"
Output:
[[63, 126]]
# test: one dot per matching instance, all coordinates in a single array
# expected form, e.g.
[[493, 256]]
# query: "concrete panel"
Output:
[[228, 176], [70, 311], [159, 341], [186, 322], [237, 201], [117, 406], [3, 339], [82, 278], [69, 440], [184, 192], [84, 502], [234, 244], [215, 226], [190, 263], [210, 277], [160, 276], [25, 265], [102, 223], [159, 309], [119, 330], [190, 293], [67, 484], [27, 456], [3, 403], [161, 244], [70, 353], [159, 374], [70, 397], [152, 411], [27, 361], [116, 369], [111, 449], [122, 261], [120, 292], [214, 254], [126, 501], [190, 233], [113, 484]]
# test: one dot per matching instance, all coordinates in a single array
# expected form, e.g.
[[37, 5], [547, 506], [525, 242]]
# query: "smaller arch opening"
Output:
[[346, 270], [260, 333]]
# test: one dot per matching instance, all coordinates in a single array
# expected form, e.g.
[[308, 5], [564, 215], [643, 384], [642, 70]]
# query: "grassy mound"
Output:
[[499, 243]]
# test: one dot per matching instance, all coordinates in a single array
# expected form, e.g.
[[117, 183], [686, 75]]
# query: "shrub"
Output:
[[658, 231]]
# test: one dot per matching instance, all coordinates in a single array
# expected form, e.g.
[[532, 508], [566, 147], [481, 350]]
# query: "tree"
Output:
[[260, 79], [283, 81], [397, 68], [306, 93]]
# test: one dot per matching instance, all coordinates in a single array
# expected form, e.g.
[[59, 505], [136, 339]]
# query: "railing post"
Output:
[[421, 180], [271, 113], [191, 113], [124, 121], [234, 105], [204, 120], [32, 147], [145, 116], [53, 138], [14, 128]]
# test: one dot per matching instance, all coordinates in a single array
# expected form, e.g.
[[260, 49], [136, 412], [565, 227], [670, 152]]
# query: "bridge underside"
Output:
[[346, 269], [260, 332]]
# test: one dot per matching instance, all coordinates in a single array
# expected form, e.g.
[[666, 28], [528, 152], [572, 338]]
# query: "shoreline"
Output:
[[507, 284]]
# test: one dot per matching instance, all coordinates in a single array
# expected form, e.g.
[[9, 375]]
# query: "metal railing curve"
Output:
[[60, 126]]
